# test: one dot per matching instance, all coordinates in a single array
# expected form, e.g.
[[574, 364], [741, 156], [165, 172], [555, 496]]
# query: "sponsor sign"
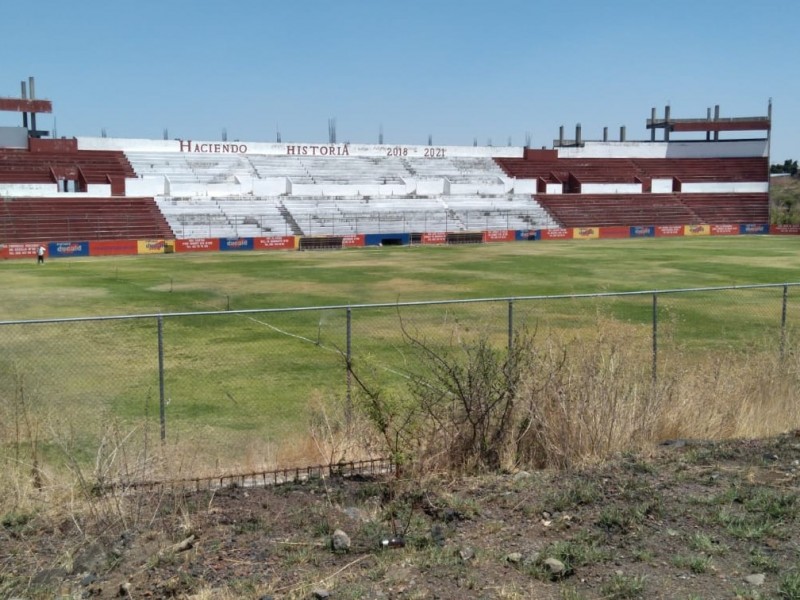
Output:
[[439, 237], [615, 232], [68, 249], [3, 251], [286, 242], [27, 250], [727, 229], [784, 229], [586, 233], [236, 244], [556, 234], [530, 235], [113, 247], [197, 245], [669, 230], [696, 230], [353, 241], [379, 239], [753, 228], [498, 236], [638, 231], [150, 247]]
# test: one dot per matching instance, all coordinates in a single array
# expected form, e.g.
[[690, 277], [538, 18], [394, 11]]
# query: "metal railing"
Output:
[[188, 394]]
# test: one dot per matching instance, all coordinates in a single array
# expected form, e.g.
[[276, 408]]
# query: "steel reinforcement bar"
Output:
[[370, 467]]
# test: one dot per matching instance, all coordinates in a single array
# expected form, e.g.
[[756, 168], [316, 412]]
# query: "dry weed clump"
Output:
[[559, 402], [732, 395]]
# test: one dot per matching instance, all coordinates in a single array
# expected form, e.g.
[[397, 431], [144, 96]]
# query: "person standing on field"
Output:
[[40, 255]]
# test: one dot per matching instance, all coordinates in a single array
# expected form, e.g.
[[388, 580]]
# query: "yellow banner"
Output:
[[697, 230], [586, 233], [150, 246]]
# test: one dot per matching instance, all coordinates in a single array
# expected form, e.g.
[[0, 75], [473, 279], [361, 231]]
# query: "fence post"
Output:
[[348, 359], [783, 321], [655, 338], [510, 326], [161, 401]]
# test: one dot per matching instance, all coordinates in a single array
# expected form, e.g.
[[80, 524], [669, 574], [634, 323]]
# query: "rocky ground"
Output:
[[687, 520]]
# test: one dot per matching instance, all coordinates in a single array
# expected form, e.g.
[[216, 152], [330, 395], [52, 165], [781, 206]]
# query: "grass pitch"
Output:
[[238, 386]]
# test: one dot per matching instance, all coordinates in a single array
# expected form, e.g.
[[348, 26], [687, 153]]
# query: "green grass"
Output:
[[237, 386]]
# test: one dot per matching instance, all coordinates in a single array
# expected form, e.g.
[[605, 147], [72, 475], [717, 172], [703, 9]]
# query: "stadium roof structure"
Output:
[[28, 105], [710, 125]]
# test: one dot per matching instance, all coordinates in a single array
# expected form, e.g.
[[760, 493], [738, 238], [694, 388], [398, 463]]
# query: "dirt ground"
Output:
[[686, 520]]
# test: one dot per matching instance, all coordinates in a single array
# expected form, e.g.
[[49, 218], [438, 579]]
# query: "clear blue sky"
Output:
[[453, 69]]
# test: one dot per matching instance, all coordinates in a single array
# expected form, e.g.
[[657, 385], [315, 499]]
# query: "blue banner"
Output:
[[753, 228], [387, 239], [638, 231], [529, 235], [236, 244], [68, 249]]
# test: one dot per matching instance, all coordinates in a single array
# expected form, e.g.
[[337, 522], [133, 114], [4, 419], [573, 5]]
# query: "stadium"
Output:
[[105, 196], [209, 427]]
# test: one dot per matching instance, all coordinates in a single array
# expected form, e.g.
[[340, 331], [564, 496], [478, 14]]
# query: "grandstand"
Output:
[[85, 189]]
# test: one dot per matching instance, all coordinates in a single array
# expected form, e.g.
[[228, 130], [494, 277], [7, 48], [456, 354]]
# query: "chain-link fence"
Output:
[[177, 395]]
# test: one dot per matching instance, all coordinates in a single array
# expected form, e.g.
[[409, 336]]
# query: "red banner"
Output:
[[669, 230], [353, 241], [439, 237], [197, 245], [499, 236], [286, 242], [728, 229], [3, 251], [615, 232], [27, 250], [557, 234], [112, 247], [784, 229]]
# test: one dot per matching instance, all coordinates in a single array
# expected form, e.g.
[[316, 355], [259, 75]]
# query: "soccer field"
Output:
[[238, 388], [222, 281]]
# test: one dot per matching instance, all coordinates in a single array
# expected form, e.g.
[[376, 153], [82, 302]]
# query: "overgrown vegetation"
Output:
[[785, 199]]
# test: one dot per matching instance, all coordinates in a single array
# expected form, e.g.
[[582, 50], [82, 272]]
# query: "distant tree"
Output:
[[788, 166]]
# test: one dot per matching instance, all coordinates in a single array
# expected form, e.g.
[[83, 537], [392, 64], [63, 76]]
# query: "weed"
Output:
[[704, 543], [763, 562], [622, 586], [579, 492], [789, 586], [695, 563], [613, 518]]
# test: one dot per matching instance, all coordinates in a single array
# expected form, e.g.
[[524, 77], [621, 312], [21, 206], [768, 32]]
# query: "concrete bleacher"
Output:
[[80, 219], [83, 168]]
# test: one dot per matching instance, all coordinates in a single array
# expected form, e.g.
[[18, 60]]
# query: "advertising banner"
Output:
[[197, 245], [3, 251], [227, 244], [27, 250], [495, 235], [636, 232], [439, 237], [150, 247], [615, 233], [530, 235], [387, 239], [727, 229], [285, 242], [753, 228], [784, 229], [353, 241], [113, 247], [696, 230], [62, 249], [586, 233], [669, 230], [556, 234]]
